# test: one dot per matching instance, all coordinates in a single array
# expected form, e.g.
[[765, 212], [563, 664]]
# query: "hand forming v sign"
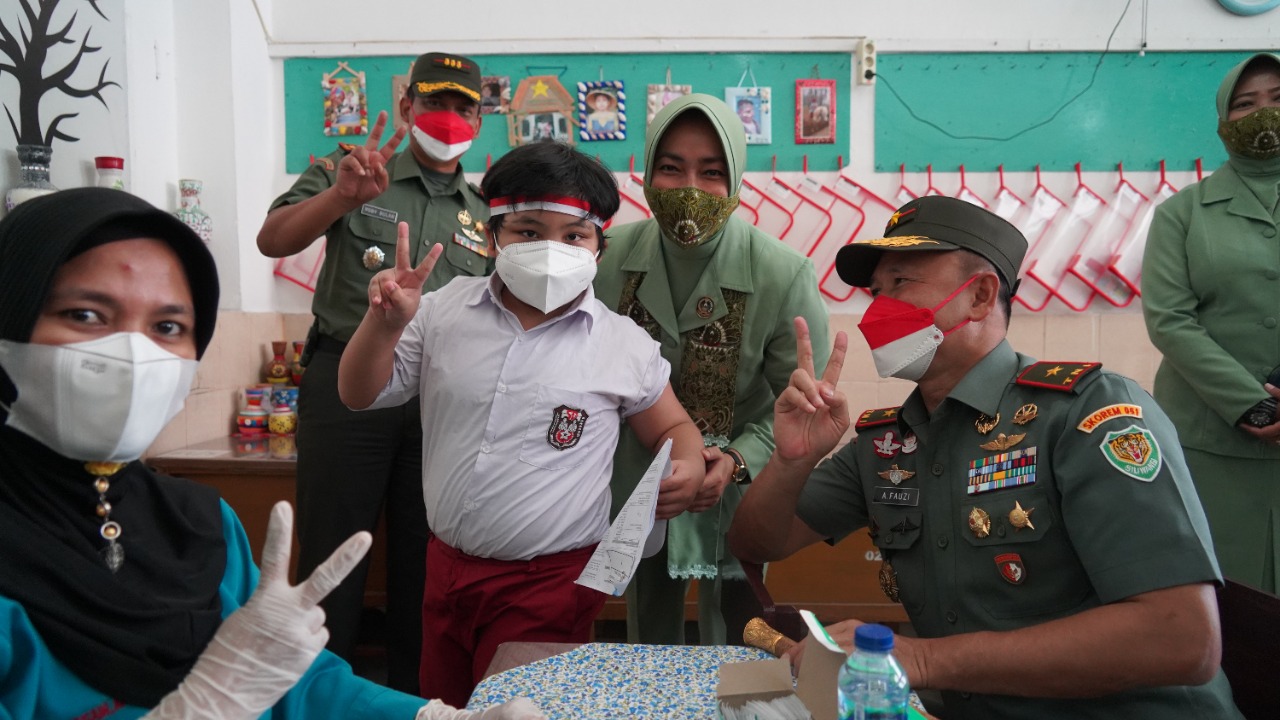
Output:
[[362, 174], [394, 293], [811, 415]]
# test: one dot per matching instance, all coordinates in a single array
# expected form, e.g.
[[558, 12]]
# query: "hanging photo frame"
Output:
[[660, 95], [815, 111], [754, 107], [346, 105], [541, 109], [495, 94], [602, 110], [399, 86]]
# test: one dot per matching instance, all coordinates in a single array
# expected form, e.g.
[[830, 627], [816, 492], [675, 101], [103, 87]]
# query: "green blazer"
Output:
[[779, 284], [1211, 298]]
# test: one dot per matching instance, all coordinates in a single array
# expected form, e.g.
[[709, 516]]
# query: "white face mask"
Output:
[[102, 400], [544, 273]]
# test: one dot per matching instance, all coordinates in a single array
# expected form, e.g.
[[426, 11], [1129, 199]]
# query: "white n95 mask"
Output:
[[101, 400], [544, 273]]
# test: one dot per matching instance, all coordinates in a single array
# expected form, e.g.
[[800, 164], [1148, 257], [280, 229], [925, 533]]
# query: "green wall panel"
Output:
[[707, 72], [1139, 110]]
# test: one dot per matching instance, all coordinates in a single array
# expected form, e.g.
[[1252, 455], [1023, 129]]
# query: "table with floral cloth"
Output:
[[617, 680]]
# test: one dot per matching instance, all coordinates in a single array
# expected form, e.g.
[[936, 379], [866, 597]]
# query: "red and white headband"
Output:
[[554, 203]]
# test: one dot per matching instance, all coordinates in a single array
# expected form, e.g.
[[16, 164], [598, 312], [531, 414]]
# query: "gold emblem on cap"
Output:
[[979, 522], [900, 241], [373, 257], [464, 217], [1003, 442], [706, 307], [985, 423], [1025, 414], [895, 474], [1020, 518], [889, 581]]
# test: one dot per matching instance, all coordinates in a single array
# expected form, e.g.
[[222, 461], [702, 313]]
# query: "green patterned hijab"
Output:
[[1246, 137]]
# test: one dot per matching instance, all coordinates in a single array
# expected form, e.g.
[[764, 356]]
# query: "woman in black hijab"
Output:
[[122, 590]]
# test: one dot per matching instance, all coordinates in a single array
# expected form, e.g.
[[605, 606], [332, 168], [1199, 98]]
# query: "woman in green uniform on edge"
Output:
[[1211, 296], [720, 296]]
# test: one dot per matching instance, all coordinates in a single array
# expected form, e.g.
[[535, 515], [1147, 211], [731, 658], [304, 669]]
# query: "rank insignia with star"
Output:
[[1056, 375], [872, 418]]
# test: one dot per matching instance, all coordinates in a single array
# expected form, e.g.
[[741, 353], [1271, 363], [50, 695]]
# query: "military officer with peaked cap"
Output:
[[1036, 519], [351, 466]]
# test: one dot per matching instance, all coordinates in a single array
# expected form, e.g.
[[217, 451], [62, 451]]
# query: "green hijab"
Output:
[[725, 122], [1261, 176]]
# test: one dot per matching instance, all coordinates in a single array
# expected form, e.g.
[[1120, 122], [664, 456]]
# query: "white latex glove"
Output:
[[517, 709], [262, 649]]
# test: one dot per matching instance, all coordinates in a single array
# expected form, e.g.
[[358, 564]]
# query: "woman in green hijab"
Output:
[[1211, 297], [720, 296]]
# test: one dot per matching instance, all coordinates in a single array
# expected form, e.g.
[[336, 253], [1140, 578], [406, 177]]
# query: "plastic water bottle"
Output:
[[872, 684]]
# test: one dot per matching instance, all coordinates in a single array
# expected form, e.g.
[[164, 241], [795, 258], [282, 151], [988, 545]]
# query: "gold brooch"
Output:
[[979, 522], [1025, 414], [1020, 518], [1003, 442], [985, 423], [896, 475]]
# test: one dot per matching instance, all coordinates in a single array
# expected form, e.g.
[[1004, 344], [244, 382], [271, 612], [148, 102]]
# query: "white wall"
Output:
[[204, 78]]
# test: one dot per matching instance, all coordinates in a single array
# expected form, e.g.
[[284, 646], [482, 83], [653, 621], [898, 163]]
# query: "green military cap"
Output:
[[936, 222], [440, 72]]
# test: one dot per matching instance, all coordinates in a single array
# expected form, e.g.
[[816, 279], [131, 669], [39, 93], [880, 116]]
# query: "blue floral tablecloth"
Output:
[[615, 680]]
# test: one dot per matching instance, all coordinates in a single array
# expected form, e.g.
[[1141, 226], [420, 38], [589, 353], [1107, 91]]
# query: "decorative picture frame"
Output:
[[495, 94], [815, 111], [602, 110], [541, 109], [399, 86], [346, 104], [660, 94], [754, 107]]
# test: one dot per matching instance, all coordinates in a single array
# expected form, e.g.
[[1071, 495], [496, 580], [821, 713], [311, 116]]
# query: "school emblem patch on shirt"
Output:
[[1134, 452], [566, 427]]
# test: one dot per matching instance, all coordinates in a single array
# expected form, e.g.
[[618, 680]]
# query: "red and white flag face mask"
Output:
[[902, 336], [442, 134]]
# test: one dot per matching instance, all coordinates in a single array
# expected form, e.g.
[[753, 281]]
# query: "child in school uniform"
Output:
[[525, 379]]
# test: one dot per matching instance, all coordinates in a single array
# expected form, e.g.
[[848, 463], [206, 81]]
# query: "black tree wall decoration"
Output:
[[23, 53]]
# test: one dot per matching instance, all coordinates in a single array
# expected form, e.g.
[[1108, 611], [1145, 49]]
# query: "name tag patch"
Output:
[[1008, 469], [886, 495], [374, 211]]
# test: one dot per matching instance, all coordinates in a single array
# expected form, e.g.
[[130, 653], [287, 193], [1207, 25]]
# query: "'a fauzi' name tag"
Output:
[[886, 495]]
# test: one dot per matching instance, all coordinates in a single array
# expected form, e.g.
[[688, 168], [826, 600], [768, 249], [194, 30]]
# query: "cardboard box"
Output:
[[766, 680], [769, 679]]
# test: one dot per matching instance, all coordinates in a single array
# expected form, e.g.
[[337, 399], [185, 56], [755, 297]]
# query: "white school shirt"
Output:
[[519, 427]]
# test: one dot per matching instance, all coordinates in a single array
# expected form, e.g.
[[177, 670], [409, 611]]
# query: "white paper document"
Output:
[[633, 534]]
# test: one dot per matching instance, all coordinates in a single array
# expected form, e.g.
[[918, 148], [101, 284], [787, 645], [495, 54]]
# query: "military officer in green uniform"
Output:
[[1036, 519], [352, 465], [719, 295]]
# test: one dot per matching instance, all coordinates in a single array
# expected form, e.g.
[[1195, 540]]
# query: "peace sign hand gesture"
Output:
[[811, 415], [362, 174], [394, 293]]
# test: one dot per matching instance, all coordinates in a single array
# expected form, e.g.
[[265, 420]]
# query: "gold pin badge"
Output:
[[464, 217], [1025, 414], [373, 257], [1020, 518], [706, 306], [889, 581], [896, 475], [985, 423], [979, 522], [1003, 442], [480, 228]]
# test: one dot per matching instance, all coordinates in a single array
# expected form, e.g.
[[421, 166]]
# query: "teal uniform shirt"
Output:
[[1081, 498], [774, 284], [453, 214], [33, 684]]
